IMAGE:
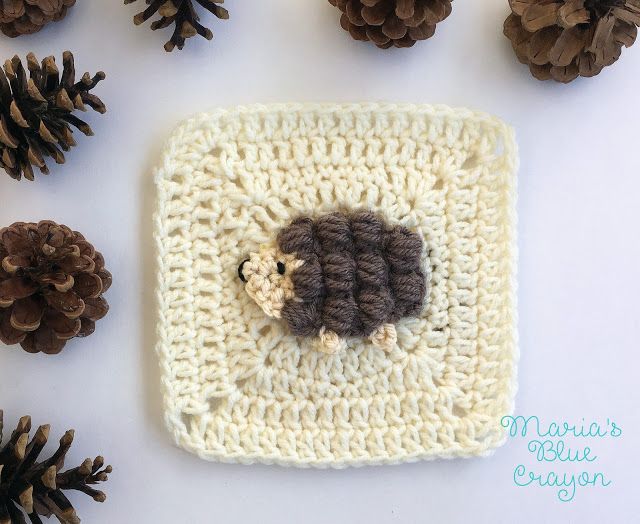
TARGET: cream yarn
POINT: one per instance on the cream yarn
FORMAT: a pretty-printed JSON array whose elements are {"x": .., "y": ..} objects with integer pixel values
[
  {"x": 239, "y": 388},
  {"x": 266, "y": 287}
]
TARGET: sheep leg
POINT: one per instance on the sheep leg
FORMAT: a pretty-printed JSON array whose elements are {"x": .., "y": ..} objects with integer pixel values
[
  {"x": 384, "y": 337},
  {"x": 329, "y": 342}
]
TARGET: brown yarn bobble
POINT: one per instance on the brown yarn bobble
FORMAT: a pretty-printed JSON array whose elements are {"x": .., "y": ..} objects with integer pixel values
[
  {"x": 51, "y": 286},
  {"x": 392, "y": 23},
  {"x": 25, "y": 17},
  {"x": 358, "y": 274}
]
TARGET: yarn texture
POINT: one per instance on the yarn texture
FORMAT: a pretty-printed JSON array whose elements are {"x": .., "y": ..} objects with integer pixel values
[
  {"x": 358, "y": 274},
  {"x": 238, "y": 386}
]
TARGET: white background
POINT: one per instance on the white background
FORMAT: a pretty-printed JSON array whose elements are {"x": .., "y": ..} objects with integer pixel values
[{"x": 578, "y": 272}]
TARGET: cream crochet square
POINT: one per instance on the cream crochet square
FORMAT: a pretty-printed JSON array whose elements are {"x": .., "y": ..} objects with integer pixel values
[{"x": 239, "y": 388}]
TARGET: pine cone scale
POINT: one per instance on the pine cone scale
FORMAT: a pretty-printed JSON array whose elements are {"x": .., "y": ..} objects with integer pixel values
[
  {"x": 626, "y": 34},
  {"x": 376, "y": 35},
  {"x": 394, "y": 28},
  {"x": 16, "y": 288},
  {"x": 11, "y": 263},
  {"x": 8, "y": 334},
  {"x": 405, "y": 9},
  {"x": 540, "y": 45},
  {"x": 378, "y": 12},
  {"x": 418, "y": 17},
  {"x": 567, "y": 47},
  {"x": 27, "y": 314},
  {"x": 88, "y": 285},
  {"x": 11, "y": 10},
  {"x": 95, "y": 308},
  {"x": 43, "y": 340},
  {"x": 573, "y": 13},
  {"x": 67, "y": 303},
  {"x": 422, "y": 32},
  {"x": 87, "y": 327},
  {"x": 539, "y": 16},
  {"x": 437, "y": 12},
  {"x": 630, "y": 15},
  {"x": 64, "y": 328},
  {"x": 15, "y": 241}
]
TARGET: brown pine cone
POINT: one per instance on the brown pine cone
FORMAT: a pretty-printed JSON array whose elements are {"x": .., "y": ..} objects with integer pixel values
[
  {"x": 51, "y": 286},
  {"x": 36, "y": 112},
  {"x": 386, "y": 23},
  {"x": 183, "y": 15},
  {"x": 31, "y": 486},
  {"x": 24, "y": 17},
  {"x": 564, "y": 39}
]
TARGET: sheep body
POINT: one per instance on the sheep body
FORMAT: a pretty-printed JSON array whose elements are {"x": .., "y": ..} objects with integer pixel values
[{"x": 358, "y": 274}]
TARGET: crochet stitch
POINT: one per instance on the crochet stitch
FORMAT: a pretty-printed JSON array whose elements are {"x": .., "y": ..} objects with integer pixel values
[
  {"x": 238, "y": 385},
  {"x": 348, "y": 274},
  {"x": 357, "y": 275}
]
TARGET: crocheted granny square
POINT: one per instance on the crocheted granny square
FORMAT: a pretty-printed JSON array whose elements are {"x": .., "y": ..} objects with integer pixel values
[{"x": 238, "y": 387}]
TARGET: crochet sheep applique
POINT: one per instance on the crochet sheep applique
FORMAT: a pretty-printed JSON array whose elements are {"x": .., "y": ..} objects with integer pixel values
[{"x": 338, "y": 276}]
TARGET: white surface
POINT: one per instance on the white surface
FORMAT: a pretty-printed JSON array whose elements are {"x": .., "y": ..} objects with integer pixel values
[{"x": 579, "y": 250}]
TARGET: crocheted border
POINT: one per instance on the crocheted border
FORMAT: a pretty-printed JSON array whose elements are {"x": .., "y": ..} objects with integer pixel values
[{"x": 177, "y": 420}]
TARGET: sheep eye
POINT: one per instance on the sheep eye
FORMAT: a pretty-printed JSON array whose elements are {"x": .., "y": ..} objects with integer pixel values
[{"x": 281, "y": 268}]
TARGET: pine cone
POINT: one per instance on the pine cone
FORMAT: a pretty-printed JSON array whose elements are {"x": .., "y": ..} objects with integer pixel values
[
  {"x": 564, "y": 39},
  {"x": 387, "y": 23},
  {"x": 183, "y": 15},
  {"x": 24, "y": 17},
  {"x": 51, "y": 286},
  {"x": 36, "y": 113},
  {"x": 36, "y": 488}
]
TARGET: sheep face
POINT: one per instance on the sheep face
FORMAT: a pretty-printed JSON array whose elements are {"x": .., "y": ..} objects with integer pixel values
[{"x": 267, "y": 278}]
